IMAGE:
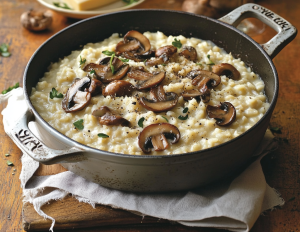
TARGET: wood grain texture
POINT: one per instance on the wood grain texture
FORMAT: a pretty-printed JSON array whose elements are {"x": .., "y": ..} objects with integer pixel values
[{"x": 281, "y": 167}]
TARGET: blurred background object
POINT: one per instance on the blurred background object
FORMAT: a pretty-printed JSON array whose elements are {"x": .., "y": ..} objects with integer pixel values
[{"x": 218, "y": 8}]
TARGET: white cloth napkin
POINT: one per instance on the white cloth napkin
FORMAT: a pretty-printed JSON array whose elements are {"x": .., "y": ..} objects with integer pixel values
[{"x": 232, "y": 204}]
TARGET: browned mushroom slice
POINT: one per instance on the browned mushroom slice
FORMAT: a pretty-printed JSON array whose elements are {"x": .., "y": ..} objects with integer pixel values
[
  {"x": 156, "y": 135},
  {"x": 143, "y": 40},
  {"x": 158, "y": 60},
  {"x": 224, "y": 113},
  {"x": 206, "y": 80},
  {"x": 190, "y": 94},
  {"x": 189, "y": 53},
  {"x": 133, "y": 41},
  {"x": 107, "y": 117},
  {"x": 119, "y": 74},
  {"x": 169, "y": 50},
  {"x": 227, "y": 70},
  {"x": 139, "y": 75},
  {"x": 99, "y": 69},
  {"x": 75, "y": 99},
  {"x": 118, "y": 88},
  {"x": 95, "y": 87},
  {"x": 132, "y": 45},
  {"x": 158, "y": 93},
  {"x": 161, "y": 101},
  {"x": 151, "y": 82}
]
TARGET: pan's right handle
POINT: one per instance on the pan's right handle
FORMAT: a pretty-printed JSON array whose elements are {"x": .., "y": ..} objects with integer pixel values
[{"x": 286, "y": 31}]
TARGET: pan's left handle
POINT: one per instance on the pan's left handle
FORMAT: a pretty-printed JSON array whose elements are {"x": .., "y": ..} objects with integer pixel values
[
  {"x": 35, "y": 148},
  {"x": 286, "y": 31}
]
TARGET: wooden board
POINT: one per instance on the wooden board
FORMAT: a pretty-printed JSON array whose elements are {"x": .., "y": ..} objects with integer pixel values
[{"x": 281, "y": 167}]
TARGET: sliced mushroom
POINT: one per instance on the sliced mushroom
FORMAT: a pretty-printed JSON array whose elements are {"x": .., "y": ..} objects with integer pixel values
[
  {"x": 162, "y": 55},
  {"x": 107, "y": 117},
  {"x": 161, "y": 101},
  {"x": 156, "y": 135},
  {"x": 151, "y": 82},
  {"x": 206, "y": 80},
  {"x": 133, "y": 41},
  {"x": 75, "y": 99},
  {"x": 169, "y": 50},
  {"x": 158, "y": 93},
  {"x": 158, "y": 60},
  {"x": 104, "y": 72},
  {"x": 95, "y": 87},
  {"x": 139, "y": 75},
  {"x": 224, "y": 113},
  {"x": 189, "y": 53},
  {"x": 118, "y": 88},
  {"x": 36, "y": 21},
  {"x": 227, "y": 70},
  {"x": 190, "y": 94}
]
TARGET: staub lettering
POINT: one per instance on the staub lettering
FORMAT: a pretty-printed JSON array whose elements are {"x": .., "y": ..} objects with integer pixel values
[
  {"x": 28, "y": 141},
  {"x": 279, "y": 21}
]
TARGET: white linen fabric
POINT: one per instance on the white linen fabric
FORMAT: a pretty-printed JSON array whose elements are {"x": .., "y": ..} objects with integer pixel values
[{"x": 233, "y": 204}]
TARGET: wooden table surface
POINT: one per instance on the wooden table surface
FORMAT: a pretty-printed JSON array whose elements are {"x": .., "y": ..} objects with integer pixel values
[{"x": 281, "y": 167}]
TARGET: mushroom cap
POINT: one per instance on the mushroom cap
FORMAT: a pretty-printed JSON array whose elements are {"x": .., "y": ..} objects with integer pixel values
[
  {"x": 224, "y": 113},
  {"x": 151, "y": 136},
  {"x": 143, "y": 40},
  {"x": 169, "y": 50},
  {"x": 189, "y": 53},
  {"x": 35, "y": 20},
  {"x": 135, "y": 42},
  {"x": 161, "y": 101},
  {"x": 75, "y": 99},
  {"x": 95, "y": 87},
  {"x": 107, "y": 117},
  {"x": 226, "y": 69},
  {"x": 104, "y": 72},
  {"x": 157, "y": 60},
  {"x": 207, "y": 78},
  {"x": 152, "y": 81},
  {"x": 139, "y": 75},
  {"x": 190, "y": 94},
  {"x": 118, "y": 88}
]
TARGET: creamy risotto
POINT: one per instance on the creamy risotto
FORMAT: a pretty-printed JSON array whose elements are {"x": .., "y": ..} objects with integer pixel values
[{"x": 197, "y": 130}]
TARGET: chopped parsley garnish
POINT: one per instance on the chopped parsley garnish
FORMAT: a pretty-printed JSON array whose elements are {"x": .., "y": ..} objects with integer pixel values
[
  {"x": 110, "y": 63},
  {"x": 4, "y": 50},
  {"x": 130, "y": 1},
  {"x": 276, "y": 130},
  {"x": 10, "y": 88},
  {"x": 176, "y": 43},
  {"x": 82, "y": 61},
  {"x": 141, "y": 121},
  {"x": 183, "y": 117},
  {"x": 199, "y": 64},
  {"x": 79, "y": 124},
  {"x": 56, "y": 94},
  {"x": 210, "y": 62},
  {"x": 164, "y": 118},
  {"x": 9, "y": 163},
  {"x": 163, "y": 64},
  {"x": 108, "y": 53},
  {"x": 292, "y": 198},
  {"x": 92, "y": 72},
  {"x": 124, "y": 60},
  {"x": 61, "y": 5},
  {"x": 186, "y": 109},
  {"x": 101, "y": 135}
]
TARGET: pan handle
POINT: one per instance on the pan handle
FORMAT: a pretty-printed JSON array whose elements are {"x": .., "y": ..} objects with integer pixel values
[
  {"x": 286, "y": 31},
  {"x": 30, "y": 144}
]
